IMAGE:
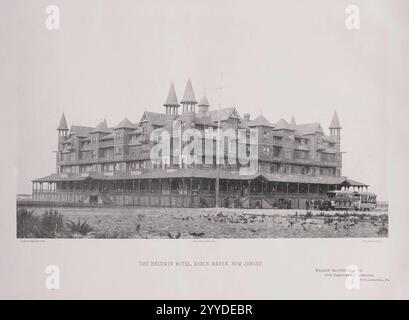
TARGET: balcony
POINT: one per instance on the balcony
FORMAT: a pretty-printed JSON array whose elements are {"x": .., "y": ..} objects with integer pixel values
[
  {"x": 305, "y": 147},
  {"x": 106, "y": 143}
]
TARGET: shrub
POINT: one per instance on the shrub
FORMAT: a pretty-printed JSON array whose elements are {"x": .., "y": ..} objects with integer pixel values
[
  {"x": 25, "y": 223},
  {"x": 82, "y": 228},
  {"x": 51, "y": 223},
  {"x": 47, "y": 225}
]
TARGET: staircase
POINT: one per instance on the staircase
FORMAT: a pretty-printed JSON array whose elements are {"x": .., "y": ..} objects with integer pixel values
[
  {"x": 84, "y": 196},
  {"x": 196, "y": 201},
  {"x": 105, "y": 199}
]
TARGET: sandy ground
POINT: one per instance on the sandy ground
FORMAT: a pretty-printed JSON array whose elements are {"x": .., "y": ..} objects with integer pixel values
[{"x": 172, "y": 223}]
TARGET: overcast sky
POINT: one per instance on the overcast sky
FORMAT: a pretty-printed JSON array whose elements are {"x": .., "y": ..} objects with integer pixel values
[{"x": 277, "y": 58}]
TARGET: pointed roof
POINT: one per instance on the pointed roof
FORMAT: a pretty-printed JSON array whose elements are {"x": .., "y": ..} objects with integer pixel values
[
  {"x": 63, "y": 123},
  {"x": 102, "y": 127},
  {"x": 293, "y": 124},
  {"x": 335, "y": 124},
  {"x": 260, "y": 121},
  {"x": 282, "y": 124},
  {"x": 224, "y": 114},
  {"x": 309, "y": 128},
  {"x": 171, "y": 100},
  {"x": 203, "y": 100},
  {"x": 157, "y": 119},
  {"x": 189, "y": 95},
  {"x": 125, "y": 124},
  {"x": 81, "y": 131}
]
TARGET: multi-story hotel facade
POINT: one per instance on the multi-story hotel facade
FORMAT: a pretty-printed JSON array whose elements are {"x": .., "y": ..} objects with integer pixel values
[{"x": 113, "y": 165}]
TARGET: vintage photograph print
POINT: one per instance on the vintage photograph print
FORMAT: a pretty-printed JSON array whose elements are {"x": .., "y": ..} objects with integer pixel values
[{"x": 194, "y": 119}]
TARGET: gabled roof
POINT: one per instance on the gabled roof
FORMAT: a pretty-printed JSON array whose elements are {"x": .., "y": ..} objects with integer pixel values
[
  {"x": 309, "y": 128},
  {"x": 260, "y": 121},
  {"x": 81, "y": 131},
  {"x": 282, "y": 124},
  {"x": 63, "y": 123},
  {"x": 189, "y": 95},
  {"x": 353, "y": 183},
  {"x": 157, "y": 119},
  {"x": 101, "y": 128},
  {"x": 203, "y": 100},
  {"x": 171, "y": 100},
  {"x": 224, "y": 114},
  {"x": 125, "y": 124},
  {"x": 335, "y": 124}
]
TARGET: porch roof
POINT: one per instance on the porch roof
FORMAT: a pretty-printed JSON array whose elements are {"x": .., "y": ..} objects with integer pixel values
[{"x": 201, "y": 173}]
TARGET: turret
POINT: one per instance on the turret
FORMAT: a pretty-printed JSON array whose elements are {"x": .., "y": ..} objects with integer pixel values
[
  {"x": 171, "y": 104},
  {"x": 62, "y": 128},
  {"x": 335, "y": 126},
  {"x": 335, "y": 133},
  {"x": 121, "y": 139},
  {"x": 203, "y": 105},
  {"x": 189, "y": 101}
]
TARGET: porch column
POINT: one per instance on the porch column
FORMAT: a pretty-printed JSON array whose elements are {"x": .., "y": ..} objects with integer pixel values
[
  {"x": 308, "y": 188},
  {"x": 199, "y": 186}
]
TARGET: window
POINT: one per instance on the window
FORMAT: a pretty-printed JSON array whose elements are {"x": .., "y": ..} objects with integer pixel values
[{"x": 118, "y": 135}]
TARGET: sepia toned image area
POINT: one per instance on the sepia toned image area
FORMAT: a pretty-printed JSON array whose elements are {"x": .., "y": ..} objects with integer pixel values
[{"x": 203, "y": 121}]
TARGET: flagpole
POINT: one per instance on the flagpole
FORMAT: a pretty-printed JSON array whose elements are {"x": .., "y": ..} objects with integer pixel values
[{"x": 218, "y": 145}]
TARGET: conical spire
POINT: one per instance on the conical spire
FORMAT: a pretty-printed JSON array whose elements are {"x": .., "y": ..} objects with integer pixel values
[
  {"x": 335, "y": 124},
  {"x": 189, "y": 96},
  {"x": 105, "y": 123},
  {"x": 203, "y": 101},
  {"x": 63, "y": 124},
  {"x": 171, "y": 100}
]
